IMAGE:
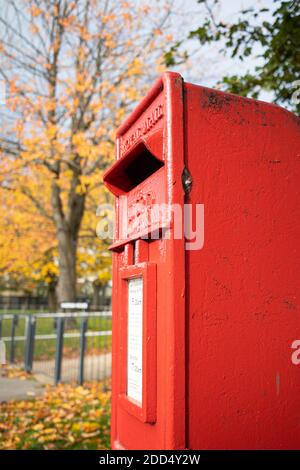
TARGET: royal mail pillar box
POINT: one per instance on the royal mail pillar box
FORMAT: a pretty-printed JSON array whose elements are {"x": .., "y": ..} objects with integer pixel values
[{"x": 204, "y": 321}]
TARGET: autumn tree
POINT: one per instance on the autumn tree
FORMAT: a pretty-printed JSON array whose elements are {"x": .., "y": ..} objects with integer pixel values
[
  {"x": 28, "y": 253},
  {"x": 28, "y": 246},
  {"x": 72, "y": 70}
]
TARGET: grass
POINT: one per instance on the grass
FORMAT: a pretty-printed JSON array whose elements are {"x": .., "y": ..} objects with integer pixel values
[
  {"x": 45, "y": 348},
  {"x": 65, "y": 417}
]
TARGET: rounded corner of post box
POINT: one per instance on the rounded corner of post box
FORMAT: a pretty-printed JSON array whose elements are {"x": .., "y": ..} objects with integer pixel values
[{"x": 166, "y": 78}]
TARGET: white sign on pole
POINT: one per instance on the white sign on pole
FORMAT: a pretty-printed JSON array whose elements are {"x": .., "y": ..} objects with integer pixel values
[
  {"x": 135, "y": 340},
  {"x": 74, "y": 305}
]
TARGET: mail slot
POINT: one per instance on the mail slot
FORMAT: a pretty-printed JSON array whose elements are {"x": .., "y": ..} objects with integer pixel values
[{"x": 204, "y": 319}]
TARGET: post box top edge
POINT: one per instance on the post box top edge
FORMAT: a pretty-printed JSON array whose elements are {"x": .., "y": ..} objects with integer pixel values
[
  {"x": 171, "y": 77},
  {"x": 242, "y": 99}
]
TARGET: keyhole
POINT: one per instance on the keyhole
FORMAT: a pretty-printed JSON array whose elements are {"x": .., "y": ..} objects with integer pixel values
[{"x": 187, "y": 181}]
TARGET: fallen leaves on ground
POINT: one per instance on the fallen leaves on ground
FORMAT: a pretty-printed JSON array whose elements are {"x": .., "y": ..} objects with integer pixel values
[
  {"x": 65, "y": 417},
  {"x": 14, "y": 373}
]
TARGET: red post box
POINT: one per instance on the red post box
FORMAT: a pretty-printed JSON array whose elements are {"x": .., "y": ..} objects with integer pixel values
[{"x": 203, "y": 329}]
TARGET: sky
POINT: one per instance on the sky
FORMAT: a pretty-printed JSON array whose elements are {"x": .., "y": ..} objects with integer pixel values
[{"x": 208, "y": 65}]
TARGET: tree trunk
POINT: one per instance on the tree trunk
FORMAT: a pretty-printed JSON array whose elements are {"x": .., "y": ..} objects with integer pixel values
[
  {"x": 67, "y": 227},
  {"x": 66, "y": 288},
  {"x": 67, "y": 221},
  {"x": 52, "y": 298}
]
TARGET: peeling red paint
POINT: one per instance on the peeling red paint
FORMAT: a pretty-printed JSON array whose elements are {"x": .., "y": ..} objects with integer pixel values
[{"x": 243, "y": 286}]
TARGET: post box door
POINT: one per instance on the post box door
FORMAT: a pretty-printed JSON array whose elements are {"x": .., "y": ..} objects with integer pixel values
[{"x": 148, "y": 403}]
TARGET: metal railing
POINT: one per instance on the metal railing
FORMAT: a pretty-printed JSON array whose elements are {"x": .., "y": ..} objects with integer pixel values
[{"x": 59, "y": 347}]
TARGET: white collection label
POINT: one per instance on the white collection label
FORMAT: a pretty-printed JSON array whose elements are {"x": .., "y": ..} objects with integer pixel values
[{"x": 135, "y": 340}]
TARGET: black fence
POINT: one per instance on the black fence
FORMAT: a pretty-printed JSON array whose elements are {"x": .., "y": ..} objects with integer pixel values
[{"x": 59, "y": 347}]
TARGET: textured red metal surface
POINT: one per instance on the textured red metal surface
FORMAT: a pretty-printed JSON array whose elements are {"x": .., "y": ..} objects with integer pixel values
[
  {"x": 219, "y": 327},
  {"x": 243, "y": 286}
]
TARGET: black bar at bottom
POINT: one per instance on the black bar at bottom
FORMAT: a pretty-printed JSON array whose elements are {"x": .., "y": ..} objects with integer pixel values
[{"x": 133, "y": 459}]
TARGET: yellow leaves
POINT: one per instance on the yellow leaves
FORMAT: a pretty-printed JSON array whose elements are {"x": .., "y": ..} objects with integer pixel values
[
  {"x": 46, "y": 435},
  {"x": 47, "y": 431},
  {"x": 160, "y": 65},
  {"x": 110, "y": 43},
  {"x": 98, "y": 412},
  {"x": 13, "y": 373},
  {"x": 51, "y": 129},
  {"x": 132, "y": 94},
  {"x": 78, "y": 138},
  {"x": 88, "y": 427},
  {"x": 76, "y": 427},
  {"x": 85, "y": 34},
  {"x": 80, "y": 189},
  {"x": 44, "y": 271},
  {"x": 146, "y": 9},
  {"x": 37, "y": 427},
  {"x": 47, "y": 422},
  {"x": 127, "y": 17},
  {"x": 49, "y": 105},
  {"x": 81, "y": 391},
  {"x": 86, "y": 180},
  {"x": 81, "y": 55},
  {"x": 25, "y": 235},
  {"x": 120, "y": 114},
  {"x": 169, "y": 37},
  {"x": 68, "y": 22},
  {"x": 157, "y": 32},
  {"x": 33, "y": 29},
  {"x": 68, "y": 174},
  {"x": 13, "y": 87},
  {"x": 104, "y": 275},
  {"x": 135, "y": 68},
  {"x": 49, "y": 438},
  {"x": 82, "y": 87},
  {"x": 35, "y": 11},
  {"x": 49, "y": 268},
  {"x": 105, "y": 19},
  {"x": 96, "y": 106},
  {"x": 84, "y": 147}
]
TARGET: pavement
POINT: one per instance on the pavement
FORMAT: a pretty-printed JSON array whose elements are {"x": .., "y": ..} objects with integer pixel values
[
  {"x": 17, "y": 389},
  {"x": 96, "y": 367}
]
